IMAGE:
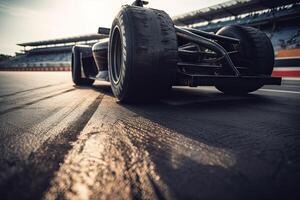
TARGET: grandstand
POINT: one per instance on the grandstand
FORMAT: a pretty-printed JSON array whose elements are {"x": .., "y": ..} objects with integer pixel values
[
  {"x": 279, "y": 19},
  {"x": 48, "y": 55}
]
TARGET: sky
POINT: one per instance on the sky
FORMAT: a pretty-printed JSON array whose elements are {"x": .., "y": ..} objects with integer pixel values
[{"x": 33, "y": 20}]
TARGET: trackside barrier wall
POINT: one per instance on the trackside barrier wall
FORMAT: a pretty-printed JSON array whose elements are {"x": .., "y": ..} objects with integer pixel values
[{"x": 36, "y": 69}]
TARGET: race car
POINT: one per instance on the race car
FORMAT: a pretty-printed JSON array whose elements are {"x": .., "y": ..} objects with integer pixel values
[{"x": 144, "y": 54}]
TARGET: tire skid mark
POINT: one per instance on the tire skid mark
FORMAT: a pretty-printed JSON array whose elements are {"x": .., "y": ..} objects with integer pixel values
[
  {"x": 49, "y": 127},
  {"x": 32, "y": 178},
  {"x": 105, "y": 164},
  {"x": 29, "y": 95},
  {"x": 29, "y": 90},
  {"x": 35, "y": 101},
  {"x": 111, "y": 159},
  {"x": 99, "y": 171}
]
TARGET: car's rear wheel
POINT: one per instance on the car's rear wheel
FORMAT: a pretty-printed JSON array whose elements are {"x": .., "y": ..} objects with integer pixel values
[
  {"x": 76, "y": 68},
  {"x": 255, "y": 53},
  {"x": 142, "y": 54}
]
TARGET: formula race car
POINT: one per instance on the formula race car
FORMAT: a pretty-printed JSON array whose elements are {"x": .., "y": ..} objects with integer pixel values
[{"x": 144, "y": 54}]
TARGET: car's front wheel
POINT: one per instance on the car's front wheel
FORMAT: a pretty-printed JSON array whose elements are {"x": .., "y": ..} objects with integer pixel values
[
  {"x": 77, "y": 77},
  {"x": 142, "y": 54}
]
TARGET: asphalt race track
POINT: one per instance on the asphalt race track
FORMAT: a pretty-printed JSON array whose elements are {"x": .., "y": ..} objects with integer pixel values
[{"x": 58, "y": 141}]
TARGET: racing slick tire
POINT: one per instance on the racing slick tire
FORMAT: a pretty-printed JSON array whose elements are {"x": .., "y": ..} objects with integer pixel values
[
  {"x": 255, "y": 52},
  {"x": 142, "y": 54},
  {"x": 77, "y": 68}
]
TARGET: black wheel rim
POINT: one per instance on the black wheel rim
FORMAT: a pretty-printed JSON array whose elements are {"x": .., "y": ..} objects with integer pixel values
[{"x": 116, "y": 55}]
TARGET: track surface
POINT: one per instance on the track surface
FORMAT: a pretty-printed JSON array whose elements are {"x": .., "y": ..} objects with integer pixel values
[{"x": 62, "y": 142}]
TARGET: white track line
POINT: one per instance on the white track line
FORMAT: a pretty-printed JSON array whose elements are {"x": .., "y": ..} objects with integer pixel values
[
  {"x": 292, "y": 86},
  {"x": 279, "y": 69},
  {"x": 280, "y": 91},
  {"x": 291, "y": 78}
]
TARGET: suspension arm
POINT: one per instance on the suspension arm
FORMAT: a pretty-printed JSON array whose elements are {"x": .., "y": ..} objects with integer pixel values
[
  {"x": 220, "y": 38},
  {"x": 211, "y": 45}
]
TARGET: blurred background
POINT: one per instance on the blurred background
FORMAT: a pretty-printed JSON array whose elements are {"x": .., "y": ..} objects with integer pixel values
[{"x": 38, "y": 35}]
